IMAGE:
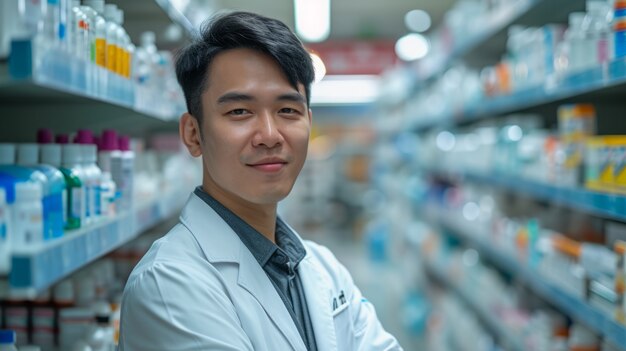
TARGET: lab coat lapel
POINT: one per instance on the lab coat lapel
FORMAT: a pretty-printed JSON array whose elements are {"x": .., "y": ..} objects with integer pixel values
[
  {"x": 221, "y": 244},
  {"x": 256, "y": 282},
  {"x": 318, "y": 300}
]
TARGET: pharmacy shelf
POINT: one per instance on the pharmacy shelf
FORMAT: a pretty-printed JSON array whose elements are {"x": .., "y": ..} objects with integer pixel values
[
  {"x": 37, "y": 268},
  {"x": 492, "y": 33},
  {"x": 503, "y": 336},
  {"x": 42, "y": 92},
  {"x": 606, "y": 80},
  {"x": 605, "y": 205},
  {"x": 571, "y": 305}
]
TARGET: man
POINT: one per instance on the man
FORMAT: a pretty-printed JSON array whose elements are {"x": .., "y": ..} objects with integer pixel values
[{"x": 232, "y": 275}]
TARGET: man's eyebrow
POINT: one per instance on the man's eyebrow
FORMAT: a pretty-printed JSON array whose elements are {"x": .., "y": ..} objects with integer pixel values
[
  {"x": 295, "y": 97},
  {"x": 234, "y": 97}
]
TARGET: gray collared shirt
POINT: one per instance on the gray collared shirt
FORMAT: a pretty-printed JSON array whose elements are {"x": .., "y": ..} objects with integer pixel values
[{"x": 279, "y": 261}]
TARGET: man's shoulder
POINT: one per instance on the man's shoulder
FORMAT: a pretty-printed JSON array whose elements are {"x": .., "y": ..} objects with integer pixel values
[{"x": 176, "y": 254}]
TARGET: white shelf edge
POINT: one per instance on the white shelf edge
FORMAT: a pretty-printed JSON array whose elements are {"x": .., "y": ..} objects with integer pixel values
[{"x": 81, "y": 247}]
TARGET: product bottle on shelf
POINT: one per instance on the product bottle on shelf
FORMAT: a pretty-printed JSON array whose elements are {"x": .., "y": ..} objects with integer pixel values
[
  {"x": 94, "y": 10},
  {"x": 5, "y": 229},
  {"x": 618, "y": 42},
  {"x": 113, "y": 45},
  {"x": 107, "y": 195},
  {"x": 73, "y": 172},
  {"x": 25, "y": 55},
  {"x": 53, "y": 188},
  {"x": 62, "y": 139},
  {"x": 7, "y": 340},
  {"x": 100, "y": 337},
  {"x": 45, "y": 136},
  {"x": 575, "y": 42},
  {"x": 78, "y": 42},
  {"x": 144, "y": 74},
  {"x": 109, "y": 154},
  {"x": 28, "y": 229},
  {"x": 51, "y": 155},
  {"x": 53, "y": 65},
  {"x": 93, "y": 176},
  {"x": 596, "y": 28},
  {"x": 123, "y": 171},
  {"x": 22, "y": 181},
  {"x": 88, "y": 23}
]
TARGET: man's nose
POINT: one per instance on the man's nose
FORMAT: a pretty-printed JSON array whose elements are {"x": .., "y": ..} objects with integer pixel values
[{"x": 268, "y": 133}]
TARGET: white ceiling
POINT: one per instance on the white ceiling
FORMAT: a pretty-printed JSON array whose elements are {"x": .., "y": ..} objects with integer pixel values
[{"x": 350, "y": 19}]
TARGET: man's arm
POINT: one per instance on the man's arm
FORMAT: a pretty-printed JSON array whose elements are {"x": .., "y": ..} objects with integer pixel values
[{"x": 173, "y": 307}]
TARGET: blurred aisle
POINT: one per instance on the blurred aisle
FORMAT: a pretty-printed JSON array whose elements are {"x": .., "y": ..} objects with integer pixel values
[{"x": 381, "y": 283}]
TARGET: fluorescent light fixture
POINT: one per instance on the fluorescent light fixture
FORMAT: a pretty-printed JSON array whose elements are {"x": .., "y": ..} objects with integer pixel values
[
  {"x": 312, "y": 19},
  {"x": 346, "y": 90},
  {"x": 417, "y": 20},
  {"x": 412, "y": 47}
]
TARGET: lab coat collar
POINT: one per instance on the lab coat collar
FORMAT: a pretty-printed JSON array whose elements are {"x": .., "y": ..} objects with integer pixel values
[{"x": 221, "y": 244}]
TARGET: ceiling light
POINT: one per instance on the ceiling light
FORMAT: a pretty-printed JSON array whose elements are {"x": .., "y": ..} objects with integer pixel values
[
  {"x": 417, "y": 20},
  {"x": 342, "y": 90},
  {"x": 412, "y": 47},
  {"x": 312, "y": 19}
]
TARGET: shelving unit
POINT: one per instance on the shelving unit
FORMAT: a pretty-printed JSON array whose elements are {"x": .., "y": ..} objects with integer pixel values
[
  {"x": 573, "y": 306},
  {"x": 492, "y": 32},
  {"x": 603, "y": 86},
  {"x": 502, "y": 335},
  {"x": 37, "y": 268},
  {"x": 601, "y": 204},
  {"x": 608, "y": 80}
]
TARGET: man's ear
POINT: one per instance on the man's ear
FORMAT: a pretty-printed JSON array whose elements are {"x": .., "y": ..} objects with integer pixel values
[{"x": 189, "y": 131}]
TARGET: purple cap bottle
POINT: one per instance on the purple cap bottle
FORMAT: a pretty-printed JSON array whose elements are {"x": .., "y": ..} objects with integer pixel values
[
  {"x": 45, "y": 136},
  {"x": 124, "y": 143},
  {"x": 108, "y": 141},
  {"x": 62, "y": 139},
  {"x": 84, "y": 136}
]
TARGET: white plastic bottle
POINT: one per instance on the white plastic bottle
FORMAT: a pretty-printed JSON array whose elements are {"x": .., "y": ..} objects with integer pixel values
[
  {"x": 5, "y": 229},
  {"x": 575, "y": 39},
  {"x": 7, "y": 340},
  {"x": 596, "y": 27},
  {"x": 122, "y": 36},
  {"x": 94, "y": 10},
  {"x": 101, "y": 335},
  {"x": 107, "y": 195},
  {"x": 109, "y": 154},
  {"x": 113, "y": 45},
  {"x": 71, "y": 163},
  {"x": 123, "y": 173},
  {"x": 28, "y": 215},
  {"x": 93, "y": 177},
  {"x": 53, "y": 186}
]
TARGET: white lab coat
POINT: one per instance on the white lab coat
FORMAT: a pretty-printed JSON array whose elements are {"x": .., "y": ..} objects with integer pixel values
[{"x": 200, "y": 288}]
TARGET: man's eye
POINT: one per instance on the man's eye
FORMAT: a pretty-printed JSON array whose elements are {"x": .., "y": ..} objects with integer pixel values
[
  {"x": 239, "y": 112},
  {"x": 288, "y": 110}
]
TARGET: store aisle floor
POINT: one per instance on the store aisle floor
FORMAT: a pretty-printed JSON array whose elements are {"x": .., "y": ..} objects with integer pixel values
[{"x": 381, "y": 283}]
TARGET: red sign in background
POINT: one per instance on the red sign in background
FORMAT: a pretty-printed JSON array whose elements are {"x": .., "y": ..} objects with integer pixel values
[{"x": 356, "y": 57}]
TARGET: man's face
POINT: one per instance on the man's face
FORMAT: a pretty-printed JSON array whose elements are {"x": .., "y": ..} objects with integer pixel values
[{"x": 255, "y": 128}]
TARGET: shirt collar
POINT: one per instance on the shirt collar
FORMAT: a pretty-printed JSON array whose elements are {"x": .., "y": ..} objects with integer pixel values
[{"x": 261, "y": 247}]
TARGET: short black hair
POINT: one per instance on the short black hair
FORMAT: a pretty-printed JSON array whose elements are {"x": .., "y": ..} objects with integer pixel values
[{"x": 240, "y": 30}]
